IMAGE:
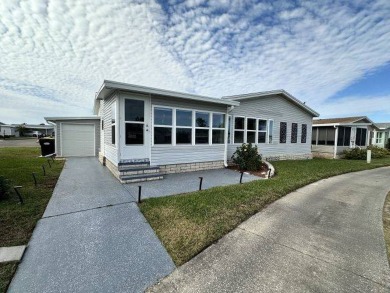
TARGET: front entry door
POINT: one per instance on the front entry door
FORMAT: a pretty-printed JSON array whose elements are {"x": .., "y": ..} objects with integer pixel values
[{"x": 136, "y": 128}]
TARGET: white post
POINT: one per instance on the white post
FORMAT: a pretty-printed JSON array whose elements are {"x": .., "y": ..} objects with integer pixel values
[
  {"x": 368, "y": 156},
  {"x": 336, "y": 136}
]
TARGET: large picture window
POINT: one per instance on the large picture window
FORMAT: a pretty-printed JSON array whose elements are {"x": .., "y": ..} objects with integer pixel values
[
  {"x": 239, "y": 129},
  {"x": 134, "y": 121},
  {"x": 202, "y": 125},
  {"x": 183, "y": 127},
  {"x": 218, "y": 128},
  {"x": 162, "y": 125}
]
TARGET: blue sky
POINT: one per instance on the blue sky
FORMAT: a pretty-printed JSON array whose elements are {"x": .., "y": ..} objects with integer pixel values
[{"x": 55, "y": 54}]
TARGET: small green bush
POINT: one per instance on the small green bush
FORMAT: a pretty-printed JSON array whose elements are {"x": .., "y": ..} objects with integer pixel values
[
  {"x": 377, "y": 152},
  {"x": 247, "y": 157},
  {"x": 5, "y": 187},
  {"x": 361, "y": 154}
]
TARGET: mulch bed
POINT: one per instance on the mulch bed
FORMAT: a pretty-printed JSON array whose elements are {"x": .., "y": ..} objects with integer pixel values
[{"x": 260, "y": 173}]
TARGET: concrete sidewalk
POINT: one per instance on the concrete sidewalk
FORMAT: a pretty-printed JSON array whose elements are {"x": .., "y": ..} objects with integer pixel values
[
  {"x": 325, "y": 237},
  {"x": 92, "y": 238},
  {"x": 188, "y": 182}
]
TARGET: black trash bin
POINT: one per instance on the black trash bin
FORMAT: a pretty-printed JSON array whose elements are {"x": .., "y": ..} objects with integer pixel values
[{"x": 47, "y": 146}]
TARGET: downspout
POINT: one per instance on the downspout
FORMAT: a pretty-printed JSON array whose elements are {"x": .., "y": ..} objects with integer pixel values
[
  {"x": 226, "y": 137},
  {"x": 336, "y": 135},
  {"x": 228, "y": 109}
]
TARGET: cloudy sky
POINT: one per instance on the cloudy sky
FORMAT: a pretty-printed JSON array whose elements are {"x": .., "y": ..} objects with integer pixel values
[{"x": 55, "y": 54}]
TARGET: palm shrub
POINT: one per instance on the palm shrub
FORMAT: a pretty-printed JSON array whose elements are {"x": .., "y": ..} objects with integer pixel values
[
  {"x": 5, "y": 187},
  {"x": 247, "y": 157}
]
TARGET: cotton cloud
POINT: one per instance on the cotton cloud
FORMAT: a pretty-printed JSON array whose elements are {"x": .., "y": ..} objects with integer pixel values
[{"x": 57, "y": 53}]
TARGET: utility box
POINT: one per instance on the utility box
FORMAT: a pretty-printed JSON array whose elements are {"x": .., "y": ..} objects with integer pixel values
[{"x": 47, "y": 146}]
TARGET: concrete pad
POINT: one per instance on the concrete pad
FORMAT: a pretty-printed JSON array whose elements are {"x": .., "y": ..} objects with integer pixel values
[
  {"x": 12, "y": 253},
  {"x": 85, "y": 184},
  {"x": 325, "y": 237},
  {"x": 188, "y": 182},
  {"x": 109, "y": 249}
]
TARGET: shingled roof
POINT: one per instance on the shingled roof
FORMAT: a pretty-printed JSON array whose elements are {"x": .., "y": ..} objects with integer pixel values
[
  {"x": 384, "y": 125},
  {"x": 342, "y": 120}
]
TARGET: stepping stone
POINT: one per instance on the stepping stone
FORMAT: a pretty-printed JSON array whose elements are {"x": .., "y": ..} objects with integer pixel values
[{"x": 13, "y": 253}]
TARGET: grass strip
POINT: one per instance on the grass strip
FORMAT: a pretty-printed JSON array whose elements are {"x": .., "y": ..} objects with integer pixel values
[
  {"x": 17, "y": 221},
  {"x": 188, "y": 223},
  {"x": 7, "y": 270}
]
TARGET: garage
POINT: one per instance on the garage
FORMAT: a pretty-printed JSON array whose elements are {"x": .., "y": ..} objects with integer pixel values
[
  {"x": 76, "y": 136},
  {"x": 78, "y": 140}
]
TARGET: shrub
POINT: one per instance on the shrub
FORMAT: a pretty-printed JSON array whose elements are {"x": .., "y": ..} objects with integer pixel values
[
  {"x": 377, "y": 152},
  {"x": 355, "y": 154},
  {"x": 361, "y": 154},
  {"x": 5, "y": 187},
  {"x": 247, "y": 157}
]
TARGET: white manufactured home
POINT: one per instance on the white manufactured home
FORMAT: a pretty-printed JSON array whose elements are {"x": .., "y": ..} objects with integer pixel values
[{"x": 141, "y": 133}]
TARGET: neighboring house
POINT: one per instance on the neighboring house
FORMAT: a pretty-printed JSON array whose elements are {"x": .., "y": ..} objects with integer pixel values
[
  {"x": 381, "y": 135},
  {"x": 141, "y": 133},
  {"x": 32, "y": 130},
  {"x": 330, "y": 137},
  {"x": 8, "y": 130}
]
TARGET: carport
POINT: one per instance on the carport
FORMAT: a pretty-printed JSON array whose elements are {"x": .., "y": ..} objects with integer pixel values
[{"x": 76, "y": 136}]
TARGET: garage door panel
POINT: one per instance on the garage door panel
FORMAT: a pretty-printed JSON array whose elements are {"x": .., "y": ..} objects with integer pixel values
[{"x": 78, "y": 140}]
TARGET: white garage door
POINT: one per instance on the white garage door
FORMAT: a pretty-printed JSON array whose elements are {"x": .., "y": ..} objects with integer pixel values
[{"x": 78, "y": 140}]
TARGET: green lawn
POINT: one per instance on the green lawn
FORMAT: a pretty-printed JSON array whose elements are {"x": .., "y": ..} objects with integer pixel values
[
  {"x": 17, "y": 221},
  {"x": 187, "y": 224}
]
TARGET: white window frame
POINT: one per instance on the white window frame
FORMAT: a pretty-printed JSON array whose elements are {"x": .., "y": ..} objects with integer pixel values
[
  {"x": 198, "y": 127},
  {"x": 188, "y": 127},
  {"x": 379, "y": 137},
  {"x": 173, "y": 136},
  {"x": 254, "y": 130},
  {"x": 230, "y": 129},
  {"x": 262, "y": 131},
  {"x": 193, "y": 127},
  {"x": 270, "y": 132},
  {"x": 242, "y": 130},
  {"x": 218, "y": 128}
]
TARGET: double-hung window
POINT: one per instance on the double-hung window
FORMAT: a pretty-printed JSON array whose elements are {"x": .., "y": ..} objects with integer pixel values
[
  {"x": 162, "y": 125},
  {"x": 218, "y": 129},
  {"x": 202, "y": 127},
  {"x": 262, "y": 131},
  {"x": 239, "y": 129},
  {"x": 251, "y": 130},
  {"x": 183, "y": 126}
]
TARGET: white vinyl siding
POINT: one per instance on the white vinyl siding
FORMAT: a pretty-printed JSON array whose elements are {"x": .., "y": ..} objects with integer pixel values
[{"x": 277, "y": 109}]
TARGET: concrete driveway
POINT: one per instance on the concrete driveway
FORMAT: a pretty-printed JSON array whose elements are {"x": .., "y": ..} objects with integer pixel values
[
  {"x": 92, "y": 238},
  {"x": 325, "y": 237}
]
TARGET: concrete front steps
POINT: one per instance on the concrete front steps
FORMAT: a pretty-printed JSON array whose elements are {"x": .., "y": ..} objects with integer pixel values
[{"x": 131, "y": 172}]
